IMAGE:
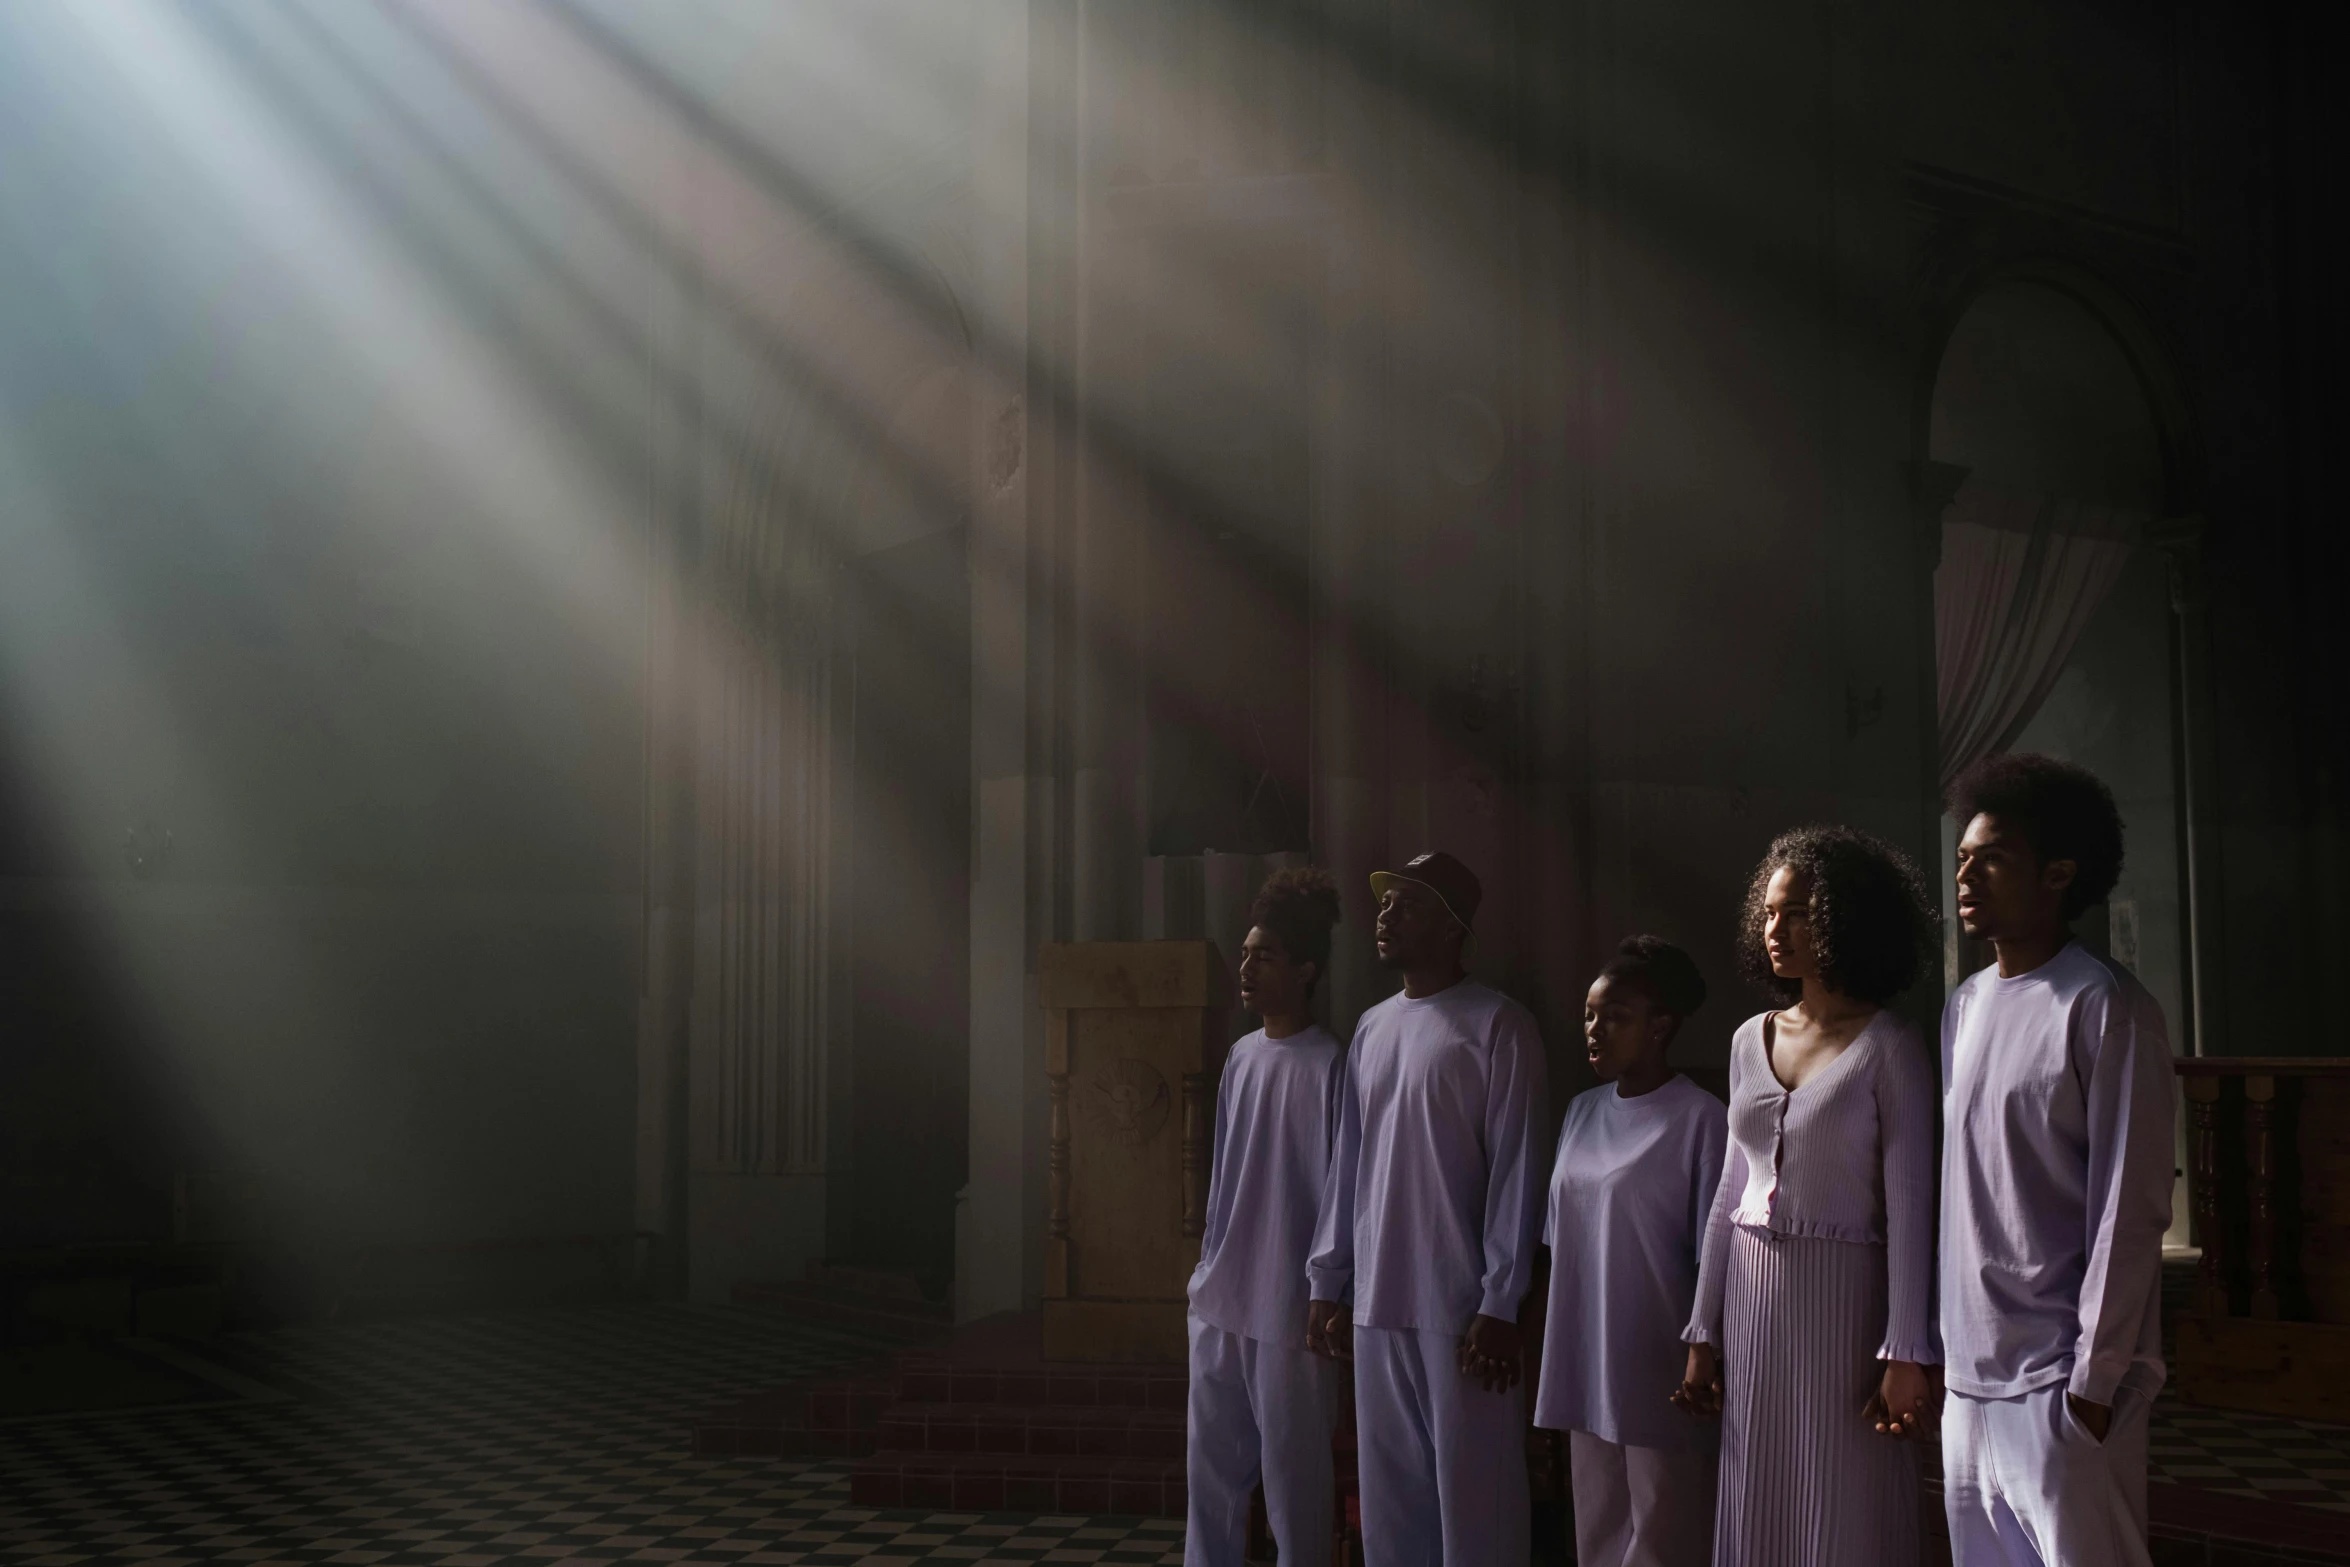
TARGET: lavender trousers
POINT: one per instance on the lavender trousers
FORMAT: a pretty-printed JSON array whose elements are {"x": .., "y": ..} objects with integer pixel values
[
  {"x": 1442, "y": 1461},
  {"x": 1258, "y": 1410},
  {"x": 2025, "y": 1485},
  {"x": 1641, "y": 1506}
]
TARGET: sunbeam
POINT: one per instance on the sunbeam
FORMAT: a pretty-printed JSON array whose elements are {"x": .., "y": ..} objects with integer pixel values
[{"x": 796, "y": 661}]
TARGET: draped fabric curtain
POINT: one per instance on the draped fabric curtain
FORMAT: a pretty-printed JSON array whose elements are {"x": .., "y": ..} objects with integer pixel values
[
  {"x": 763, "y": 993},
  {"x": 2021, "y": 576}
]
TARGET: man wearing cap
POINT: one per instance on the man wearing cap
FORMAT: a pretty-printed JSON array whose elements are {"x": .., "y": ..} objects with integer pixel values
[{"x": 1426, "y": 1242}]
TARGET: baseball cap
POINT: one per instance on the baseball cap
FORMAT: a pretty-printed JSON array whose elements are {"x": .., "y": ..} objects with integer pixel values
[{"x": 1454, "y": 884}]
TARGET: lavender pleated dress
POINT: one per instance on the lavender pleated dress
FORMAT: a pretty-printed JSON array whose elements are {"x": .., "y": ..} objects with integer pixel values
[{"x": 1818, "y": 1266}]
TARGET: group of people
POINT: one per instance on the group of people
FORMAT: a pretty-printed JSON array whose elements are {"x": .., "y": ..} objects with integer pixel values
[{"x": 1742, "y": 1318}]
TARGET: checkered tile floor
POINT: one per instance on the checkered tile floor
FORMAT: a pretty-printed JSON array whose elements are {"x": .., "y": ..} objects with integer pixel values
[
  {"x": 520, "y": 1437},
  {"x": 558, "y": 1436},
  {"x": 2296, "y": 1461}
]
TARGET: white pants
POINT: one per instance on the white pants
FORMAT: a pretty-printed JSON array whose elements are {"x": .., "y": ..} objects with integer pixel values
[
  {"x": 1642, "y": 1506},
  {"x": 1442, "y": 1461},
  {"x": 1258, "y": 1409},
  {"x": 2026, "y": 1485}
]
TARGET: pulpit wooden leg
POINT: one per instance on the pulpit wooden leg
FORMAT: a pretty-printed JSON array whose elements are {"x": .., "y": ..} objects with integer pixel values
[
  {"x": 1196, "y": 1152},
  {"x": 1056, "y": 1235},
  {"x": 2211, "y": 1279}
]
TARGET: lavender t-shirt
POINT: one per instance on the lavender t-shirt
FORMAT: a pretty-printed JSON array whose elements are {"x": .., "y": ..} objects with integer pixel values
[
  {"x": 1629, "y": 1194},
  {"x": 1276, "y": 1125}
]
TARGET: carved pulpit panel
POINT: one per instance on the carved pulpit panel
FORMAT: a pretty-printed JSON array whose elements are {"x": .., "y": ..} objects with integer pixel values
[{"x": 1134, "y": 1040}]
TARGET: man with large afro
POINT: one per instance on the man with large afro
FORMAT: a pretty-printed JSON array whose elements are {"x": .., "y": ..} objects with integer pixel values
[{"x": 2056, "y": 1186}]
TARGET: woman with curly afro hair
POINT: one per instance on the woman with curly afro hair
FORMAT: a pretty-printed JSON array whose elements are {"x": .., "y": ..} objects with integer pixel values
[{"x": 1813, "y": 1326}]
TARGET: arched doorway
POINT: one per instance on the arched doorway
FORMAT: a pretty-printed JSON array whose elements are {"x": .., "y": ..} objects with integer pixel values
[{"x": 2055, "y": 625}]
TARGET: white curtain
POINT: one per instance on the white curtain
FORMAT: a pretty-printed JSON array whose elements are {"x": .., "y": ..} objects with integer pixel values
[
  {"x": 763, "y": 993},
  {"x": 2021, "y": 576}
]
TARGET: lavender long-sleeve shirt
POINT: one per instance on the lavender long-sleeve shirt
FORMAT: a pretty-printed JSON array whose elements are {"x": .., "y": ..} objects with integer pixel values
[
  {"x": 1849, "y": 1156},
  {"x": 2056, "y": 1180},
  {"x": 1276, "y": 1126},
  {"x": 1436, "y": 1193}
]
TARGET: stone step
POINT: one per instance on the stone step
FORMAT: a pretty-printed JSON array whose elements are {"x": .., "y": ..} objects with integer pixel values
[
  {"x": 909, "y": 1321},
  {"x": 1005, "y": 1482},
  {"x": 1030, "y": 1381},
  {"x": 837, "y": 1415},
  {"x": 1043, "y": 1431}
]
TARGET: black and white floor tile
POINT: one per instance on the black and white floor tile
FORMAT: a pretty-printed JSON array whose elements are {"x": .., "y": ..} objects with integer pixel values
[
  {"x": 521, "y": 1437},
  {"x": 548, "y": 1437},
  {"x": 2297, "y": 1461}
]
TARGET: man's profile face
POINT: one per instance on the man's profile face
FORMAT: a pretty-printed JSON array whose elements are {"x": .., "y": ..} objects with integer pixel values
[
  {"x": 1413, "y": 926},
  {"x": 1271, "y": 981},
  {"x": 2004, "y": 889}
]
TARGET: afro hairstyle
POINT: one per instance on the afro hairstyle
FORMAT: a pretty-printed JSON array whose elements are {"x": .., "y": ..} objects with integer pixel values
[
  {"x": 2062, "y": 809},
  {"x": 1299, "y": 904}
]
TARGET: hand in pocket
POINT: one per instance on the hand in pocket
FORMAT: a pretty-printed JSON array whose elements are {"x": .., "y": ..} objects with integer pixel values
[{"x": 2095, "y": 1419}]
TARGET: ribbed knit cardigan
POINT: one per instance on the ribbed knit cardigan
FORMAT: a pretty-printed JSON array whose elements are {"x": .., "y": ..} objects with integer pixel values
[{"x": 1849, "y": 1156}]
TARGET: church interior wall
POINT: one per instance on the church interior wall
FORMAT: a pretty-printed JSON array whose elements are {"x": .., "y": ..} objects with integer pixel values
[
  {"x": 2313, "y": 135},
  {"x": 1536, "y": 390},
  {"x": 336, "y": 802},
  {"x": 323, "y": 804},
  {"x": 1749, "y": 335}
]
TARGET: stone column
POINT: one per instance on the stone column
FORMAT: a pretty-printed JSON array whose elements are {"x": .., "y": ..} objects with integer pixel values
[
  {"x": 1350, "y": 531},
  {"x": 1090, "y": 355},
  {"x": 1000, "y": 1214},
  {"x": 2181, "y": 538},
  {"x": 672, "y": 546}
]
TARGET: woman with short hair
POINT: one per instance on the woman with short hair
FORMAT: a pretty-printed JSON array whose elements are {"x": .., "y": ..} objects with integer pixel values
[
  {"x": 1639, "y": 1158},
  {"x": 1813, "y": 1328}
]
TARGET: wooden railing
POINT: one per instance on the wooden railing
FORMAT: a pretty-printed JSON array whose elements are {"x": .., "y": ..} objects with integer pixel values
[
  {"x": 2250, "y": 1184},
  {"x": 2268, "y": 1179}
]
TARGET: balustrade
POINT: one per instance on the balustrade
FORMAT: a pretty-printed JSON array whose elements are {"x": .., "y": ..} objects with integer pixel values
[{"x": 2269, "y": 1187}]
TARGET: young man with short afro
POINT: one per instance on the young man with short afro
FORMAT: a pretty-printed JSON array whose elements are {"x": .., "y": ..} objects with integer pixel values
[
  {"x": 1261, "y": 1406},
  {"x": 2056, "y": 1187}
]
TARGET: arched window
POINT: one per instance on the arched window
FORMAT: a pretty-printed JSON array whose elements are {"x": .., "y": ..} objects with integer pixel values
[{"x": 2054, "y": 624}]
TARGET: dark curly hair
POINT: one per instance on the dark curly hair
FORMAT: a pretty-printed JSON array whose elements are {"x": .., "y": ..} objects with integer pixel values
[
  {"x": 1872, "y": 922},
  {"x": 1664, "y": 971},
  {"x": 2062, "y": 809},
  {"x": 1299, "y": 904}
]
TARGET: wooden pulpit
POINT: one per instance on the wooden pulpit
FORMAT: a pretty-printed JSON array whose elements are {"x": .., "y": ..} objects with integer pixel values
[{"x": 1134, "y": 1039}]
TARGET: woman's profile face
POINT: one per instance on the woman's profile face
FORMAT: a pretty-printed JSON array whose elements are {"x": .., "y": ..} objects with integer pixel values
[{"x": 1786, "y": 928}]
